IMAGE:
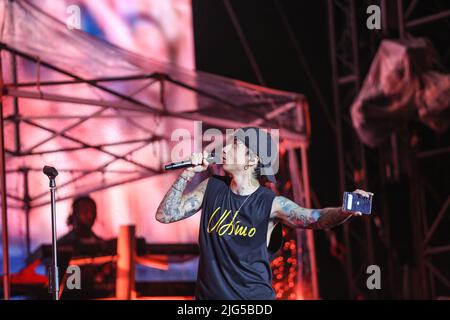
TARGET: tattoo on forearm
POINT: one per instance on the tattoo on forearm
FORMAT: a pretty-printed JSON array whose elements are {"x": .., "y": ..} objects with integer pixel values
[
  {"x": 293, "y": 214},
  {"x": 170, "y": 208},
  {"x": 330, "y": 217},
  {"x": 175, "y": 206},
  {"x": 297, "y": 216}
]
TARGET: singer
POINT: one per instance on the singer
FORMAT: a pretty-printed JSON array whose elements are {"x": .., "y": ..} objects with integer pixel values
[{"x": 238, "y": 217}]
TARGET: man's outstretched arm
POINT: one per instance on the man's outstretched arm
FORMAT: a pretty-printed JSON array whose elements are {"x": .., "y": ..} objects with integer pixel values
[{"x": 294, "y": 215}]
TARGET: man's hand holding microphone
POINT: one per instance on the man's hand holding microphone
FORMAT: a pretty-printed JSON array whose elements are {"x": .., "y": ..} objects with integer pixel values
[{"x": 198, "y": 162}]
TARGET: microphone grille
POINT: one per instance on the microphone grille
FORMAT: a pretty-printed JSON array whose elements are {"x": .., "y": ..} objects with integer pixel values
[{"x": 50, "y": 171}]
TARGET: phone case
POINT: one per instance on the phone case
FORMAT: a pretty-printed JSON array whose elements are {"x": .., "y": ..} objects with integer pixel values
[{"x": 355, "y": 202}]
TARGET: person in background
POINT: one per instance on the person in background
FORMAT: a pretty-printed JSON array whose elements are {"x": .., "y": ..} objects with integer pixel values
[{"x": 82, "y": 219}]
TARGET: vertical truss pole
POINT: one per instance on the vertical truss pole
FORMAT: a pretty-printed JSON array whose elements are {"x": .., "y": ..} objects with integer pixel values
[
  {"x": 309, "y": 233},
  {"x": 338, "y": 126},
  {"x": 16, "y": 115},
  {"x": 387, "y": 226},
  {"x": 17, "y": 147},
  {"x": 401, "y": 20},
  {"x": 5, "y": 244},
  {"x": 362, "y": 150},
  {"x": 5, "y": 238},
  {"x": 16, "y": 118},
  {"x": 301, "y": 194},
  {"x": 419, "y": 288},
  {"x": 346, "y": 72}
]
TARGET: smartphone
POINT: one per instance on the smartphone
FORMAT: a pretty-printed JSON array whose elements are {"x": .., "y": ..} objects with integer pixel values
[{"x": 357, "y": 202}]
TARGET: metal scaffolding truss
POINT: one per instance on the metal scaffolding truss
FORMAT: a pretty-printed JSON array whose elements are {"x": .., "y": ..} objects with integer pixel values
[
  {"x": 119, "y": 87},
  {"x": 430, "y": 192},
  {"x": 346, "y": 29},
  {"x": 343, "y": 32}
]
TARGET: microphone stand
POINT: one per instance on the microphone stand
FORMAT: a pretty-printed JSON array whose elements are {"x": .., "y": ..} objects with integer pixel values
[{"x": 53, "y": 276}]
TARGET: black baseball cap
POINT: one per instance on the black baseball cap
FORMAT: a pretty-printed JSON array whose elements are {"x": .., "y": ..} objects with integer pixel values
[{"x": 261, "y": 143}]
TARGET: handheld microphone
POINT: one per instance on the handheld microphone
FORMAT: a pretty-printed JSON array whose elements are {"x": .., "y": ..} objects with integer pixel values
[
  {"x": 50, "y": 172},
  {"x": 186, "y": 163}
]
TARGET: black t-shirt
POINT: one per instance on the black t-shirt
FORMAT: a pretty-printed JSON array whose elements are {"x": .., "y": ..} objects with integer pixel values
[
  {"x": 73, "y": 238},
  {"x": 234, "y": 259}
]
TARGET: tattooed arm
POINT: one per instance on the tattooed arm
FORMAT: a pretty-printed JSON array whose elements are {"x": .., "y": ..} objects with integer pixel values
[
  {"x": 175, "y": 206},
  {"x": 294, "y": 215}
]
